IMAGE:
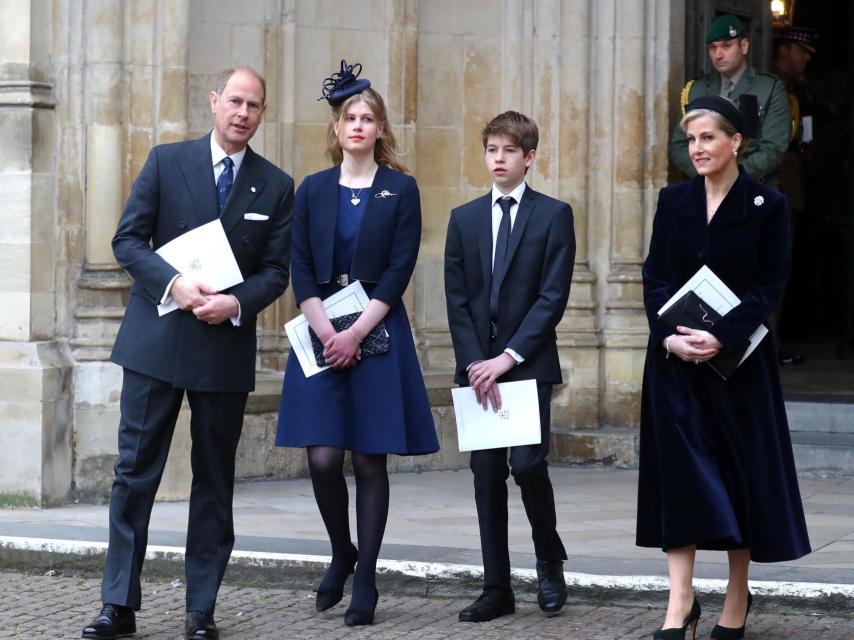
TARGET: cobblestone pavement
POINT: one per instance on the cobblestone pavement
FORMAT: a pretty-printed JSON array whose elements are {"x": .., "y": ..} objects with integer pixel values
[{"x": 58, "y": 607}]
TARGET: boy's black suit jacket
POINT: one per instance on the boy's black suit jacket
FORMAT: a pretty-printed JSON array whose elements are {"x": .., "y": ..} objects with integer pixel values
[{"x": 534, "y": 288}]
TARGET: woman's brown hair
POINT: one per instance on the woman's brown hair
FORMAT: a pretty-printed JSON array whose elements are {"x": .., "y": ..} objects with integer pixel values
[{"x": 385, "y": 150}]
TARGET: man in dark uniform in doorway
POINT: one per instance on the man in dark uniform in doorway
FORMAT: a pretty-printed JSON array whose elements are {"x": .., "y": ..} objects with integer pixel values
[{"x": 793, "y": 49}]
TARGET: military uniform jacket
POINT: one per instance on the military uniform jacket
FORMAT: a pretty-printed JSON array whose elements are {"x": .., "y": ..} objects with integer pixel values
[{"x": 762, "y": 157}]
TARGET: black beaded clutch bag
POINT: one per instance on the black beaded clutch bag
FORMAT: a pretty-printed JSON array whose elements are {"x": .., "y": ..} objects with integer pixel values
[
  {"x": 693, "y": 312},
  {"x": 375, "y": 343}
]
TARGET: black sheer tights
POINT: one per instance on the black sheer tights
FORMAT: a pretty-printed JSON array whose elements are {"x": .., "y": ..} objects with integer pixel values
[{"x": 330, "y": 491}]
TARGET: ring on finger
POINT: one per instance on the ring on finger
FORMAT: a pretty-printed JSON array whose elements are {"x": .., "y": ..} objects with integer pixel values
[{"x": 696, "y": 361}]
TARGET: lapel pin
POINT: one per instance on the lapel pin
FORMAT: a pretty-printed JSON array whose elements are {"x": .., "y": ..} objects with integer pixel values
[
  {"x": 252, "y": 189},
  {"x": 758, "y": 201},
  {"x": 385, "y": 193}
]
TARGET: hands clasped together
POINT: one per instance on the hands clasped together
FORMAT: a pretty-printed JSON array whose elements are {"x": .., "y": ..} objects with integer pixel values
[
  {"x": 207, "y": 304},
  {"x": 482, "y": 378},
  {"x": 692, "y": 345},
  {"x": 340, "y": 349}
]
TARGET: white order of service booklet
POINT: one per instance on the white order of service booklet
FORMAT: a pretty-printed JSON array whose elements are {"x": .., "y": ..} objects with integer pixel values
[
  {"x": 516, "y": 423},
  {"x": 204, "y": 255}
]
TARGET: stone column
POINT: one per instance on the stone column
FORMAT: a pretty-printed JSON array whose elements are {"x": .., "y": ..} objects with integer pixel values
[
  {"x": 35, "y": 460},
  {"x": 135, "y": 96},
  {"x": 630, "y": 115}
]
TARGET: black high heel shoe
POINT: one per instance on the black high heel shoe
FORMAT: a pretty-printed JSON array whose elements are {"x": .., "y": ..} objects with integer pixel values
[
  {"x": 728, "y": 633},
  {"x": 356, "y": 617},
  {"x": 329, "y": 596},
  {"x": 678, "y": 633}
]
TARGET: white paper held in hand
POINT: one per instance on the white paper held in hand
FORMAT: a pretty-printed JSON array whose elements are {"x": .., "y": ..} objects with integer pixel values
[
  {"x": 516, "y": 423},
  {"x": 204, "y": 255},
  {"x": 706, "y": 284},
  {"x": 351, "y": 299}
]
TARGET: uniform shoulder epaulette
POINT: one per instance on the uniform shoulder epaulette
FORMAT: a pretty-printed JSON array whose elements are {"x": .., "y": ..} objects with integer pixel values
[
  {"x": 686, "y": 91},
  {"x": 767, "y": 74}
]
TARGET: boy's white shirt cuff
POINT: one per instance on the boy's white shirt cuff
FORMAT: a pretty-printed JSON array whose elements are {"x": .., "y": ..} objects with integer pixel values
[
  {"x": 519, "y": 359},
  {"x": 236, "y": 319}
]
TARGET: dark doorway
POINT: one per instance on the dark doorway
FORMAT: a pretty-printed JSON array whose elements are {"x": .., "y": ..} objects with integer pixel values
[{"x": 817, "y": 319}]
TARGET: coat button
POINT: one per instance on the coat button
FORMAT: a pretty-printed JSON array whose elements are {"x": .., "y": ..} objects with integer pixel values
[
  {"x": 182, "y": 224},
  {"x": 701, "y": 255},
  {"x": 246, "y": 240}
]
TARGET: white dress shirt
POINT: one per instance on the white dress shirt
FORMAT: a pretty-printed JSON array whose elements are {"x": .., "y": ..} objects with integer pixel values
[
  {"x": 516, "y": 194},
  {"x": 217, "y": 156}
]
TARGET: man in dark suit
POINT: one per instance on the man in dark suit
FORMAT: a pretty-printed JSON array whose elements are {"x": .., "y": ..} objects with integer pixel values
[
  {"x": 508, "y": 268},
  {"x": 206, "y": 349}
]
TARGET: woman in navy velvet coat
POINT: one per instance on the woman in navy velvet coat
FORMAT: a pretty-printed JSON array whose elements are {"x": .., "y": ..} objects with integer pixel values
[
  {"x": 716, "y": 464},
  {"x": 358, "y": 220}
]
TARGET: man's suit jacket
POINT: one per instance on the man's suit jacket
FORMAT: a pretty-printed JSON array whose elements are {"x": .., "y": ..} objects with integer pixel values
[
  {"x": 386, "y": 245},
  {"x": 534, "y": 288},
  {"x": 174, "y": 193}
]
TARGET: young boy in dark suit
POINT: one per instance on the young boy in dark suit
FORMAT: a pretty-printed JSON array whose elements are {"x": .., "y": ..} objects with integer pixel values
[{"x": 508, "y": 268}]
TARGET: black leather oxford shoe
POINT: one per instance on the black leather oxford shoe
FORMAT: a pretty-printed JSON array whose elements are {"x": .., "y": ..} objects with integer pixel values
[
  {"x": 200, "y": 626},
  {"x": 113, "y": 622},
  {"x": 491, "y": 604},
  {"x": 552, "y": 592}
]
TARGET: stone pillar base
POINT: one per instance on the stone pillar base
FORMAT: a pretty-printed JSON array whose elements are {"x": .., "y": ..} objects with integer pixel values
[{"x": 35, "y": 424}]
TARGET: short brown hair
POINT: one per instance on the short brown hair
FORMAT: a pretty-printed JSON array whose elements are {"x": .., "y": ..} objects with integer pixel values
[
  {"x": 513, "y": 125},
  {"x": 224, "y": 76}
]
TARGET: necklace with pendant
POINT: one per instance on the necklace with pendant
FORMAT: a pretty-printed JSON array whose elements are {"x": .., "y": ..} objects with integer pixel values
[{"x": 355, "y": 196}]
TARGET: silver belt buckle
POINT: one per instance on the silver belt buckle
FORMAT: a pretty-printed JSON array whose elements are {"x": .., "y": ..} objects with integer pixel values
[{"x": 343, "y": 280}]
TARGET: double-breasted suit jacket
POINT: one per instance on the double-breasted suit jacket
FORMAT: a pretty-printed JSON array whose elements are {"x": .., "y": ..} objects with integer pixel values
[
  {"x": 174, "y": 193},
  {"x": 716, "y": 464},
  {"x": 534, "y": 287}
]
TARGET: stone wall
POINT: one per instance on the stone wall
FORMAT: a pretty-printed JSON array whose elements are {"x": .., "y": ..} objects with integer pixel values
[{"x": 87, "y": 86}]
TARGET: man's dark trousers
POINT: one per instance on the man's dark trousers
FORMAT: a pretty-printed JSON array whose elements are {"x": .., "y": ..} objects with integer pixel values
[
  {"x": 149, "y": 410},
  {"x": 530, "y": 471}
]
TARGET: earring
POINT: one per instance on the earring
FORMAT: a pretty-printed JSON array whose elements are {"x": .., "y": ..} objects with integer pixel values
[{"x": 735, "y": 153}]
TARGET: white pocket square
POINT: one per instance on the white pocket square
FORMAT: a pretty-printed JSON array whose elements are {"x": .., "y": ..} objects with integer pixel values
[{"x": 255, "y": 216}]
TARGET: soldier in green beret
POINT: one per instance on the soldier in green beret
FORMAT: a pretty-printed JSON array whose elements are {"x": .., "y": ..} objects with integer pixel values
[{"x": 732, "y": 78}]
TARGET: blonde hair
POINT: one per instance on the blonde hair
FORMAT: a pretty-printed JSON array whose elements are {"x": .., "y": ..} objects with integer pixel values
[
  {"x": 385, "y": 149},
  {"x": 726, "y": 127}
]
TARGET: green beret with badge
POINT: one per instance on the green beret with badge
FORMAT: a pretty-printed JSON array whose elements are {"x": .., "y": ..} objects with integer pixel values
[{"x": 725, "y": 27}]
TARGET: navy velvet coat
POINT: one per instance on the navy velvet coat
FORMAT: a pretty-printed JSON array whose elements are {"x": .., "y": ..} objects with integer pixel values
[{"x": 716, "y": 464}]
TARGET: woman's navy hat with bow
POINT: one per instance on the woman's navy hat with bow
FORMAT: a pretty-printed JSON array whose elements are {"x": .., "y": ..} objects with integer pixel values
[{"x": 340, "y": 86}]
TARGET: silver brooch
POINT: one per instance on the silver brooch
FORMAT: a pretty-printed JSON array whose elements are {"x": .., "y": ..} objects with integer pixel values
[
  {"x": 758, "y": 201},
  {"x": 385, "y": 193}
]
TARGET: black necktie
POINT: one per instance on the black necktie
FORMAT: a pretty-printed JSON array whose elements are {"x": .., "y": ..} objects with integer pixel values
[
  {"x": 223, "y": 185},
  {"x": 499, "y": 263}
]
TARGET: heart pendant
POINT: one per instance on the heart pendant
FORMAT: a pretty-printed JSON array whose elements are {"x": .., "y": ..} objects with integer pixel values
[{"x": 355, "y": 201}]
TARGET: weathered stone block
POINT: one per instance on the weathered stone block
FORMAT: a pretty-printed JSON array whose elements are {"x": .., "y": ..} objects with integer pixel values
[
  {"x": 440, "y": 80},
  {"x": 438, "y": 151},
  {"x": 484, "y": 17}
]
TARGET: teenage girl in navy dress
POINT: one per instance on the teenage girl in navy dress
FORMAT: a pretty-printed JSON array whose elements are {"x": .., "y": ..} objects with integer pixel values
[{"x": 358, "y": 220}]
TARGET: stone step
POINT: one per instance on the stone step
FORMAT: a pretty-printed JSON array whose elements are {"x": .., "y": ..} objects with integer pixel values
[
  {"x": 823, "y": 454},
  {"x": 820, "y": 417}
]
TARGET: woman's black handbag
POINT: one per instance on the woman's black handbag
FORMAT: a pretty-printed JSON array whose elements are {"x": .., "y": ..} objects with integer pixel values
[
  {"x": 693, "y": 312},
  {"x": 375, "y": 343}
]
